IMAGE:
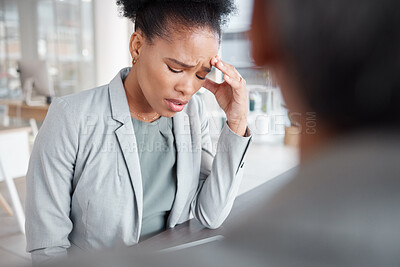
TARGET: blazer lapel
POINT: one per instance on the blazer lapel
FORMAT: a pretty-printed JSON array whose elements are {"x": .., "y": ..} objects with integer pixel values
[
  {"x": 183, "y": 141},
  {"x": 126, "y": 137}
]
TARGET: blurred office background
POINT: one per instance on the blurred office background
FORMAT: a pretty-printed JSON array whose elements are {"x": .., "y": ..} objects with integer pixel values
[
  {"x": 85, "y": 43},
  {"x": 74, "y": 37}
]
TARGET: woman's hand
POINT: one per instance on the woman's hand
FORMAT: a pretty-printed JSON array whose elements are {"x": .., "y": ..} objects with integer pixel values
[{"x": 231, "y": 95}]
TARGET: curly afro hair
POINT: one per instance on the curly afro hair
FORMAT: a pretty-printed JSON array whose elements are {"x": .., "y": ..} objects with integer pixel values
[{"x": 155, "y": 17}]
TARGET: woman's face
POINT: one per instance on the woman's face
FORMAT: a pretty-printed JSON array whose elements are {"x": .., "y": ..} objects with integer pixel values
[{"x": 169, "y": 73}]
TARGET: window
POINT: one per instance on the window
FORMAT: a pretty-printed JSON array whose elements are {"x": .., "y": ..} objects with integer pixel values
[
  {"x": 65, "y": 40},
  {"x": 58, "y": 31},
  {"x": 236, "y": 50},
  {"x": 10, "y": 49}
]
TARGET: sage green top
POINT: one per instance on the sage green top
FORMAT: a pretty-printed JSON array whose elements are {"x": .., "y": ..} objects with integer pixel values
[{"x": 157, "y": 156}]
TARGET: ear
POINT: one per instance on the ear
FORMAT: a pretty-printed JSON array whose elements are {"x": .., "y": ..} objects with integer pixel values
[
  {"x": 136, "y": 44},
  {"x": 263, "y": 34}
]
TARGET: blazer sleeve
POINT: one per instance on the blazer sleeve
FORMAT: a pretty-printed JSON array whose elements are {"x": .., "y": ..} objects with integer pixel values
[
  {"x": 220, "y": 175},
  {"x": 49, "y": 184}
]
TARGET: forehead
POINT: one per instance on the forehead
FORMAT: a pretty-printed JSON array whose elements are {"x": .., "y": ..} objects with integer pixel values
[{"x": 191, "y": 47}]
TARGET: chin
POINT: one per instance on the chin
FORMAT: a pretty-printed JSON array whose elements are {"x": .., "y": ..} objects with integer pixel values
[
  {"x": 164, "y": 112},
  {"x": 168, "y": 114}
]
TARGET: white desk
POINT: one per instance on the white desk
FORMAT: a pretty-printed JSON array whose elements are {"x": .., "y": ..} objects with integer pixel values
[{"x": 265, "y": 161}]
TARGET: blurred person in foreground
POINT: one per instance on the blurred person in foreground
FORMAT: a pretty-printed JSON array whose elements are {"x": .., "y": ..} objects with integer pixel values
[{"x": 341, "y": 60}]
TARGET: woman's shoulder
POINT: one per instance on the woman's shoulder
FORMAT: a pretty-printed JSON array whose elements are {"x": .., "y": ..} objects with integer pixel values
[
  {"x": 87, "y": 98},
  {"x": 92, "y": 101}
]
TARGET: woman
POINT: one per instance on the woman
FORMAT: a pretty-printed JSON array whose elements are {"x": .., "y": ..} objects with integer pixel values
[{"x": 122, "y": 162}]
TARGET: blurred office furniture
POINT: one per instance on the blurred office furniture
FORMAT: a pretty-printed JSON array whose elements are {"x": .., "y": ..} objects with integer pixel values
[
  {"x": 4, "y": 205},
  {"x": 18, "y": 109},
  {"x": 14, "y": 160},
  {"x": 36, "y": 82},
  {"x": 37, "y": 88},
  {"x": 267, "y": 117},
  {"x": 270, "y": 100}
]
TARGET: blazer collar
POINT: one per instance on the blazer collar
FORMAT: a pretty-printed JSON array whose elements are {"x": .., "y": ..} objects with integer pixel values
[
  {"x": 184, "y": 162},
  {"x": 127, "y": 140},
  {"x": 119, "y": 102}
]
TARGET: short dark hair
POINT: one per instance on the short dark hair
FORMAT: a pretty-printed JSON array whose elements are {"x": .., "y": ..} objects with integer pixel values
[
  {"x": 152, "y": 16},
  {"x": 345, "y": 58}
]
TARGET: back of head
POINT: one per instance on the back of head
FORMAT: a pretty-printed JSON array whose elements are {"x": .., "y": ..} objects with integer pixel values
[{"x": 344, "y": 57}]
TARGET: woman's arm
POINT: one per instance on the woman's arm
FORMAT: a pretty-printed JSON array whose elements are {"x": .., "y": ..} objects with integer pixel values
[
  {"x": 220, "y": 175},
  {"x": 49, "y": 184}
]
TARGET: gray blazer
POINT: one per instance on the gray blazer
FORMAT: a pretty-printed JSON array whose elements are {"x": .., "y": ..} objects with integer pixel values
[{"x": 84, "y": 186}]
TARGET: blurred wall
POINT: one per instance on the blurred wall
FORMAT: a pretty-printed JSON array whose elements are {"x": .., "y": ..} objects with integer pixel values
[{"x": 112, "y": 34}]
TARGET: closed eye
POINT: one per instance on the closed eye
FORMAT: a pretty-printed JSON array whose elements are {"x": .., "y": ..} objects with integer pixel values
[
  {"x": 180, "y": 71},
  {"x": 174, "y": 71}
]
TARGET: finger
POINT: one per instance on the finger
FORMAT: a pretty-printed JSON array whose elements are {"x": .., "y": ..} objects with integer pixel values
[
  {"x": 234, "y": 83},
  {"x": 225, "y": 68},
  {"x": 211, "y": 86}
]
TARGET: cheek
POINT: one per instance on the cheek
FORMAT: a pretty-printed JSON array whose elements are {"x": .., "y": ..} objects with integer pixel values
[
  {"x": 154, "y": 79},
  {"x": 163, "y": 83},
  {"x": 199, "y": 85}
]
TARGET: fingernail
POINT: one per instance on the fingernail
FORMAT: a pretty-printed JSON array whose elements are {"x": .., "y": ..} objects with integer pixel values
[
  {"x": 220, "y": 64},
  {"x": 227, "y": 77}
]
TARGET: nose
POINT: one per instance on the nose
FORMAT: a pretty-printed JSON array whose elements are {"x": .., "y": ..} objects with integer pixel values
[{"x": 186, "y": 86}]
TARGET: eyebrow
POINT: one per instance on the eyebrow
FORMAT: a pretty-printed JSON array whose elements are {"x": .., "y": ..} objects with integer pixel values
[{"x": 186, "y": 66}]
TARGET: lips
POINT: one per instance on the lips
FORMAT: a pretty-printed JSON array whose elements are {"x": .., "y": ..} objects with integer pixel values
[{"x": 176, "y": 105}]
